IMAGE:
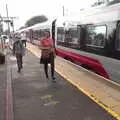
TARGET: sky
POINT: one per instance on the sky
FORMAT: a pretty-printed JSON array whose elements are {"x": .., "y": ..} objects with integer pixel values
[{"x": 25, "y": 9}]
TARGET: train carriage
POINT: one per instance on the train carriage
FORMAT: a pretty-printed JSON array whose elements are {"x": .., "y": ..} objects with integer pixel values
[{"x": 97, "y": 31}]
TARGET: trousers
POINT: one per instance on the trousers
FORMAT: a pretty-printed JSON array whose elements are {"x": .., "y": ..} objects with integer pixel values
[{"x": 19, "y": 61}]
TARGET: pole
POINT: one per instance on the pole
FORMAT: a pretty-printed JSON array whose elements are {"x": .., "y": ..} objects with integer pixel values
[
  {"x": 8, "y": 19},
  {"x": 8, "y": 24},
  {"x": 1, "y": 25},
  {"x": 63, "y": 11},
  {"x": 13, "y": 24}
]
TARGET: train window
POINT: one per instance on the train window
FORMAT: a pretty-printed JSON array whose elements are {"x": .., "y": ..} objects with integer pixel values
[
  {"x": 60, "y": 34},
  {"x": 96, "y": 36},
  {"x": 72, "y": 35},
  {"x": 68, "y": 36},
  {"x": 35, "y": 35},
  {"x": 118, "y": 38},
  {"x": 75, "y": 35}
]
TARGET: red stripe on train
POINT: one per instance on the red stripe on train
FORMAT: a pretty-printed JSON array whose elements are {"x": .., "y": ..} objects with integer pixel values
[{"x": 93, "y": 63}]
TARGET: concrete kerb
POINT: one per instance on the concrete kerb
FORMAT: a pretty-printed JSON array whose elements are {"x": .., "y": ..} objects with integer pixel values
[{"x": 8, "y": 92}]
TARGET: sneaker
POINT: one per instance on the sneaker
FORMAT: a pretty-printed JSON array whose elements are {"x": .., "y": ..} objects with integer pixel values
[
  {"x": 21, "y": 66},
  {"x": 53, "y": 79},
  {"x": 47, "y": 76},
  {"x": 18, "y": 71}
]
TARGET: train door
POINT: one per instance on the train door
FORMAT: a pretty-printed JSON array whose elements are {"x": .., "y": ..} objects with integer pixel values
[
  {"x": 82, "y": 37},
  {"x": 54, "y": 31},
  {"x": 117, "y": 44}
]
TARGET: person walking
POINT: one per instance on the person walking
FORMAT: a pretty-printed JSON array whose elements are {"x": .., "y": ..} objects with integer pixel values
[
  {"x": 18, "y": 51},
  {"x": 47, "y": 54}
]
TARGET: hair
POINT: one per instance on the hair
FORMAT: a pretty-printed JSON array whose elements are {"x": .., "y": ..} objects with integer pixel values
[{"x": 48, "y": 33}]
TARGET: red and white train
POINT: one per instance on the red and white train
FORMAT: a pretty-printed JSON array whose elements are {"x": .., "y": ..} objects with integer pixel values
[{"x": 93, "y": 42}]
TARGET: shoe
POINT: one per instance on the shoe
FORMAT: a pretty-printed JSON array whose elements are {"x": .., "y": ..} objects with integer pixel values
[
  {"x": 53, "y": 79},
  {"x": 21, "y": 66},
  {"x": 47, "y": 77},
  {"x": 18, "y": 71}
]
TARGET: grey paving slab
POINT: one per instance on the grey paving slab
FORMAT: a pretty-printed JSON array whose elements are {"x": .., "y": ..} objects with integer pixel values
[
  {"x": 2, "y": 90},
  {"x": 37, "y": 98}
]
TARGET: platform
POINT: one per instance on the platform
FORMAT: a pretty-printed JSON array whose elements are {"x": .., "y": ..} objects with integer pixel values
[{"x": 38, "y": 98}]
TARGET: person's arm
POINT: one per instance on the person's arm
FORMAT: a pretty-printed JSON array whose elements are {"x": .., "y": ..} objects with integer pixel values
[
  {"x": 13, "y": 48},
  {"x": 44, "y": 48}
]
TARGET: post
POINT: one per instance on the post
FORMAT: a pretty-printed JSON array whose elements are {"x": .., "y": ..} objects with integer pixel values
[
  {"x": 12, "y": 25},
  {"x": 8, "y": 19},
  {"x": 1, "y": 25},
  {"x": 8, "y": 25},
  {"x": 63, "y": 11}
]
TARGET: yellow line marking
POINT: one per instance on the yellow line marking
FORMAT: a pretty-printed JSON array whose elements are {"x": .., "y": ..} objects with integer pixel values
[
  {"x": 109, "y": 110},
  {"x": 51, "y": 103},
  {"x": 117, "y": 116},
  {"x": 46, "y": 97}
]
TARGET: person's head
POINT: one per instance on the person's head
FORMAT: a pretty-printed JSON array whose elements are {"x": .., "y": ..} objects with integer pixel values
[
  {"x": 17, "y": 37},
  {"x": 47, "y": 34}
]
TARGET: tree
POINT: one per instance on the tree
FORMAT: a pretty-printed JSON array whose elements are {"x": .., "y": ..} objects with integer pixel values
[
  {"x": 36, "y": 19},
  {"x": 21, "y": 27},
  {"x": 113, "y": 2},
  {"x": 109, "y": 2},
  {"x": 98, "y": 3}
]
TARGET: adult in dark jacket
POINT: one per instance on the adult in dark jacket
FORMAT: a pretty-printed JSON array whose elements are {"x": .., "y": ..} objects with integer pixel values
[{"x": 18, "y": 51}]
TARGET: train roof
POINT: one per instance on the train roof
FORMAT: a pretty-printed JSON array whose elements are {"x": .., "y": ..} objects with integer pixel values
[
  {"x": 44, "y": 25},
  {"x": 61, "y": 22},
  {"x": 68, "y": 21},
  {"x": 100, "y": 14},
  {"x": 24, "y": 29},
  {"x": 89, "y": 16}
]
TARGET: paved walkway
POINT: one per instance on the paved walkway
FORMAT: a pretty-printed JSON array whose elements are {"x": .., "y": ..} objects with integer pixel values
[
  {"x": 37, "y": 98},
  {"x": 104, "y": 92},
  {"x": 2, "y": 90}
]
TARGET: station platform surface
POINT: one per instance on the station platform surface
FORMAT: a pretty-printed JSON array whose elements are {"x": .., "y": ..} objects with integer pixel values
[
  {"x": 2, "y": 89},
  {"x": 38, "y": 98}
]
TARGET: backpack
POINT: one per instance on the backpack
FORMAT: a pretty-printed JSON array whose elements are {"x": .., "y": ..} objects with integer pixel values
[{"x": 18, "y": 47}]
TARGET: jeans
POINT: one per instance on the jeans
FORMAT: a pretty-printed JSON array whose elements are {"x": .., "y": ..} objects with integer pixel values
[
  {"x": 19, "y": 61},
  {"x": 51, "y": 64}
]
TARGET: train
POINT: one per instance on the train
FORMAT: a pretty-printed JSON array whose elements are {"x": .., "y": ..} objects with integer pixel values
[
  {"x": 93, "y": 41},
  {"x": 3, "y": 46}
]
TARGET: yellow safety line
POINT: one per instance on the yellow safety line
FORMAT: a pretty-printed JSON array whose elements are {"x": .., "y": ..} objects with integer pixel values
[
  {"x": 109, "y": 110},
  {"x": 117, "y": 116}
]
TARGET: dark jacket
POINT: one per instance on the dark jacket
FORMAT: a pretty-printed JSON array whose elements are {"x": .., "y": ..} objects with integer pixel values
[{"x": 18, "y": 47}]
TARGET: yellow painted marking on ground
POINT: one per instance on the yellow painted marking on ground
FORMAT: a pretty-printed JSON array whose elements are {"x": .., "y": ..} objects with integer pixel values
[
  {"x": 117, "y": 116},
  {"x": 46, "y": 97},
  {"x": 109, "y": 110},
  {"x": 51, "y": 103}
]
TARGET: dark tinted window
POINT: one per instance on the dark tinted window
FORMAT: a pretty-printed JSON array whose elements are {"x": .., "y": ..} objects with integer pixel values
[
  {"x": 96, "y": 35},
  {"x": 60, "y": 34},
  {"x": 118, "y": 38}
]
